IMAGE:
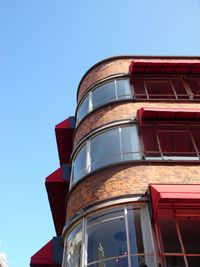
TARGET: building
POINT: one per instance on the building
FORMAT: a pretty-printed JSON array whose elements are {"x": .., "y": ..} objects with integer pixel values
[
  {"x": 127, "y": 192},
  {"x": 3, "y": 260}
]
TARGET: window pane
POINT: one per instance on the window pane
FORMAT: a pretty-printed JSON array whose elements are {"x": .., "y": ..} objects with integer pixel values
[
  {"x": 189, "y": 227},
  {"x": 105, "y": 215},
  {"x": 107, "y": 238},
  {"x": 135, "y": 231},
  {"x": 73, "y": 247},
  {"x": 139, "y": 89},
  {"x": 123, "y": 89},
  {"x": 79, "y": 169},
  {"x": 180, "y": 89},
  {"x": 194, "y": 87},
  {"x": 103, "y": 94},
  {"x": 175, "y": 261},
  {"x": 116, "y": 262},
  {"x": 195, "y": 134},
  {"x": 168, "y": 230},
  {"x": 176, "y": 144},
  {"x": 130, "y": 143},
  {"x": 160, "y": 89},
  {"x": 83, "y": 110},
  {"x": 143, "y": 261},
  {"x": 193, "y": 261},
  {"x": 151, "y": 148},
  {"x": 105, "y": 149}
]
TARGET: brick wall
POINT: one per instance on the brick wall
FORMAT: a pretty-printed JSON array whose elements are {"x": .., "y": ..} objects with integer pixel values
[
  {"x": 128, "y": 179},
  {"x": 102, "y": 71}
]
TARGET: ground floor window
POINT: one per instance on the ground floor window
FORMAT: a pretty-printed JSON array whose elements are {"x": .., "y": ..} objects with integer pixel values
[
  {"x": 114, "y": 237},
  {"x": 178, "y": 232}
]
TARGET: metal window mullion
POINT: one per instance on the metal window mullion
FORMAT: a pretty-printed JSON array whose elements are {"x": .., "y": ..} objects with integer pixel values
[
  {"x": 146, "y": 90},
  {"x": 120, "y": 143},
  {"x": 180, "y": 238},
  {"x": 127, "y": 235},
  {"x": 187, "y": 87},
  {"x": 84, "y": 244},
  {"x": 158, "y": 142},
  {"x": 72, "y": 174},
  {"x": 159, "y": 237},
  {"x": 105, "y": 220},
  {"x": 88, "y": 158},
  {"x": 141, "y": 141},
  {"x": 147, "y": 237},
  {"x": 115, "y": 84},
  {"x": 193, "y": 142},
  {"x": 64, "y": 256},
  {"x": 173, "y": 88},
  {"x": 90, "y": 106}
]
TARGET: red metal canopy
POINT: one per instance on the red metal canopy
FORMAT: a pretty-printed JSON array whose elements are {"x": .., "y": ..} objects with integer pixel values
[
  {"x": 156, "y": 66},
  {"x": 146, "y": 114},
  {"x": 44, "y": 257},
  {"x": 64, "y": 134},
  {"x": 57, "y": 189},
  {"x": 181, "y": 193}
]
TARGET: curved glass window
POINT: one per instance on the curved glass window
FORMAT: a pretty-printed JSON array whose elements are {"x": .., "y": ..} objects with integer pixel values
[
  {"x": 102, "y": 94},
  {"x": 114, "y": 145},
  {"x": 114, "y": 237},
  {"x": 72, "y": 255}
]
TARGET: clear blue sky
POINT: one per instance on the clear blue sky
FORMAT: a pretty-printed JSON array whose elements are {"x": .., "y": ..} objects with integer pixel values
[{"x": 45, "y": 48}]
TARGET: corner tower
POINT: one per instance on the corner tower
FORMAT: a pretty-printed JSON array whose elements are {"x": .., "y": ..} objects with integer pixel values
[{"x": 132, "y": 166}]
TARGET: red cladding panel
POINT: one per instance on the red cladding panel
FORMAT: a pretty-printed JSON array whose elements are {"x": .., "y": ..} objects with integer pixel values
[
  {"x": 163, "y": 193},
  {"x": 57, "y": 189},
  {"x": 44, "y": 257},
  {"x": 64, "y": 134}
]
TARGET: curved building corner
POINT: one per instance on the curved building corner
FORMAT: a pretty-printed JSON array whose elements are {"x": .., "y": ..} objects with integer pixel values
[{"x": 127, "y": 193}]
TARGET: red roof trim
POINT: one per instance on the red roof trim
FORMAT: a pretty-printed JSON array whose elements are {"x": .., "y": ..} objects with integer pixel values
[
  {"x": 44, "y": 256},
  {"x": 64, "y": 135},
  {"x": 168, "y": 193},
  {"x": 159, "y": 66},
  {"x": 57, "y": 189},
  {"x": 55, "y": 176}
]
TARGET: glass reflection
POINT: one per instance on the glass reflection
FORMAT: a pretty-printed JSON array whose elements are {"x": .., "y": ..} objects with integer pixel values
[
  {"x": 73, "y": 247},
  {"x": 102, "y": 94},
  {"x": 112, "y": 237}
]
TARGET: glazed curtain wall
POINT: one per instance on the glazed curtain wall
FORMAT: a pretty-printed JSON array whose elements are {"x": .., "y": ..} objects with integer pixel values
[
  {"x": 112, "y": 90},
  {"x": 170, "y": 88},
  {"x": 117, "y": 144},
  {"x": 115, "y": 237},
  {"x": 160, "y": 141}
]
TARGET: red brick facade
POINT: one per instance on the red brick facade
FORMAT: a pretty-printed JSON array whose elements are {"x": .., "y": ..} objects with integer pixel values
[{"x": 127, "y": 178}]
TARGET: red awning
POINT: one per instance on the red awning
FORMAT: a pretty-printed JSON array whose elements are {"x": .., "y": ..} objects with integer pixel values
[
  {"x": 170, "y": 193},
  {"x": 159, "y": 66},
  {"x": 44, "y": 257},
  {"x": 64, "y": 134},
  {"x": 57, "y": 189},
  {"x": 146, "y": 114}
]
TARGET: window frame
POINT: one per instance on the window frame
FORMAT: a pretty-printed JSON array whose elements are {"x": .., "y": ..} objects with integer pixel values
[
  {"x": 177, "y": 211},
  {"x": 154, "y": 125},
  {"x": 89, "y": 92},
  {"x": 147, "y": 235},
  {"x": 168, "y": 79},
  {"x": 88, "y": 160}
]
